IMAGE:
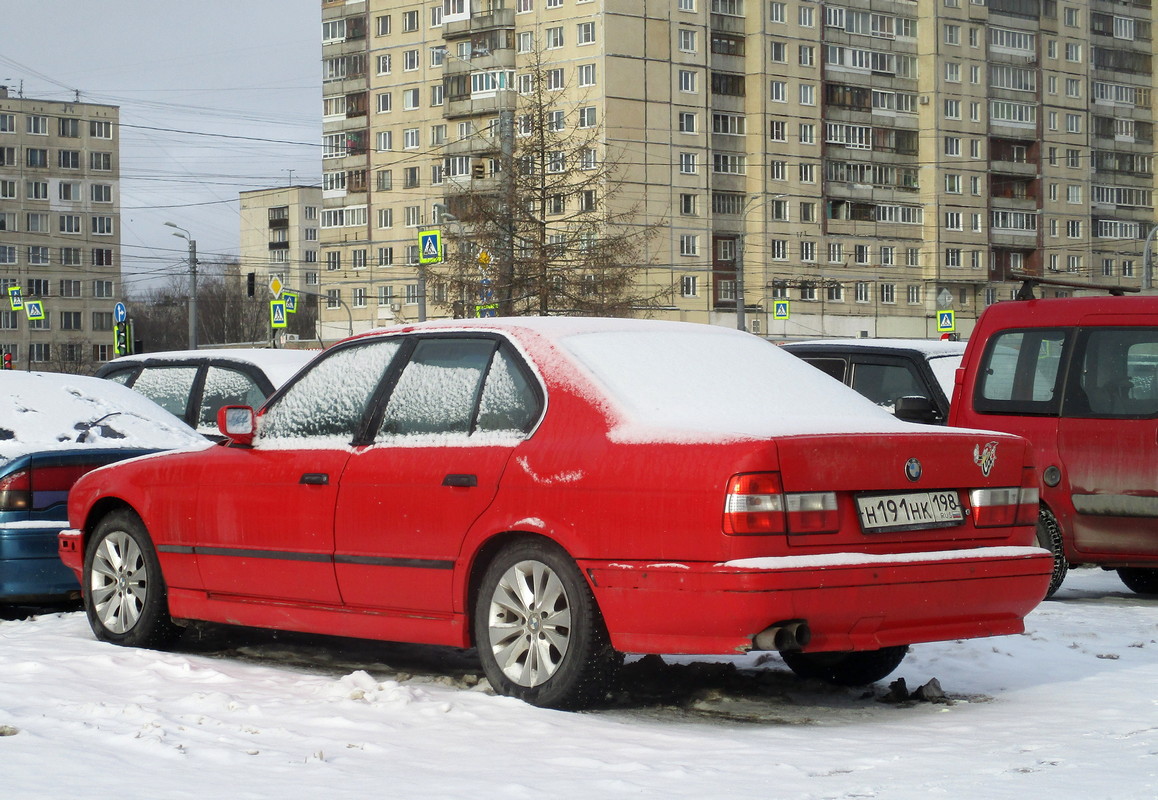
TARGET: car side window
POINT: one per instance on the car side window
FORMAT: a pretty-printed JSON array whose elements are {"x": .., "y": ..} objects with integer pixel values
[
  {"x": 1020, "y": 372},
  {"x": 329, "y": 400},
  {"x": 226, "y": 387},
  {"x": 884, "y": 383},
  {"x": 1115, "y": 374},
  {"x": 835, "y": 367},
  {"x": 509, "y": 401},
  {"x": 168, "y": 387},
  {"x": 439, "y": 388}
]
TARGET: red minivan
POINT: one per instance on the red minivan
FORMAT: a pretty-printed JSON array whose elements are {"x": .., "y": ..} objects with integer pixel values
[{"x": 1077, "y": 377}]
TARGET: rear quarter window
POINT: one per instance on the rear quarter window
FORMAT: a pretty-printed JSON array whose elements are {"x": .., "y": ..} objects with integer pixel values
[{"x": 1020, "y": 372}]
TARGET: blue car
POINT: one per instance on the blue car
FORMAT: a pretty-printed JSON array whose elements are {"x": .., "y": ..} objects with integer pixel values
[{"x": 53, "y": 429}]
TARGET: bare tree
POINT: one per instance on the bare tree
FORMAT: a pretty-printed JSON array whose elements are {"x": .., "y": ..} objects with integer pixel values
[
  {"x": 549, "y": 231},
  {"x": 225, "y": 312}
]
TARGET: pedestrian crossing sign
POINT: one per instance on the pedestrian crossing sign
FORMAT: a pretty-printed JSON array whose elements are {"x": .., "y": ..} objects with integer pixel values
[
  {"x": 277, "y": 313},
  {"x": 781, "y": 309},
  {"x": 34, "y": 309},
  {"x": 291, "y": 302},
  {"x": 946, "y": 321},
  {"x": 429, "y": 247}
]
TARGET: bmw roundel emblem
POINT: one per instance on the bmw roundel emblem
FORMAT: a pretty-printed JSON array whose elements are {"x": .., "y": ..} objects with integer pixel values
[{"x": 913, "y": 469}]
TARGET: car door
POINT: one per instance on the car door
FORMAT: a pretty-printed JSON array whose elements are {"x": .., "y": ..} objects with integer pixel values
[
  {"x": 1108, "y": 439},
  {"x": 267, "y": 512},
  {"x": 451, "y": 421}
]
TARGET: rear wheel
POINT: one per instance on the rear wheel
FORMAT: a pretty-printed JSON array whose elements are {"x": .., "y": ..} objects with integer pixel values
[
  {"x": 1140, "y": 580},
  {"x": 124, "y": 592},
  {"x": 847, "y": 668},
  {"x": 539, "y": 634},
  {"x": 1049, "y": 536}
]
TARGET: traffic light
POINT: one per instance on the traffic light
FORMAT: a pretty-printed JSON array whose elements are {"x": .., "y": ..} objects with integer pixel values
[
  {"x": 7, "y": 361},
  {"x": 121, "y": 339},
  {"x": 250, "y": 283}
]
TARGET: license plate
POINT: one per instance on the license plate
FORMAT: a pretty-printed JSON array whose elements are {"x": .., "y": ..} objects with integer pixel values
[{"x": 909, "y": 511}]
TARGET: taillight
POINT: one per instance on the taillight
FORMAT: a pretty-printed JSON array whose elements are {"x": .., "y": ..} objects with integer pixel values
[
  {"x": 757, "y": 504},
  {"x": 16, "y": 491},
  {"x": 1007, "y": 505},
  {"x": 41, "y": 487},
  {"x": 813, "y": 512}
]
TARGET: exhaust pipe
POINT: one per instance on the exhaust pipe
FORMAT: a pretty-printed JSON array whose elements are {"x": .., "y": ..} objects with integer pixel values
[{"x": 791, "y": 635}]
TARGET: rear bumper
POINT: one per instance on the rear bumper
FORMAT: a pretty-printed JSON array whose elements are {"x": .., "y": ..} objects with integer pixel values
[
  {"x": 851, "y": 601},
  {"x": 30, "y": 569}
]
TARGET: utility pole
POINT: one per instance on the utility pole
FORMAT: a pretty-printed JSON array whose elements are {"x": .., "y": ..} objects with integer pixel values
[{"x": 184, "y": 234}]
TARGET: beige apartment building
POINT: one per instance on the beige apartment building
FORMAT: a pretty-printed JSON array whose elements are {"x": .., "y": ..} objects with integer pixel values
[
  {"x": 60, "y": 231},
  {"x": 280, "y": 239},
  {"x": 849, "y": 168}
]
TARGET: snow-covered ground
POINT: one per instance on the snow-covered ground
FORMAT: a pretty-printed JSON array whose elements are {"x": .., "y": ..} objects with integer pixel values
[{"x": 1067, "y": 710}]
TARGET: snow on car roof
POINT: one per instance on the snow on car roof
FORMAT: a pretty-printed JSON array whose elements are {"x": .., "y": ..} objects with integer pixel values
[
  {"x": 45, "y": 411},
  {"x": 279, "y": 365},
  {"x": 686, "y": 381}
]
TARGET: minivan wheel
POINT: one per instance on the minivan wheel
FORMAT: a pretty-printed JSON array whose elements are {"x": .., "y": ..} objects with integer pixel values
[
  {"x": 1140, "y": 580},
  {"x": 124, "y": 593},
  {"x": 538, "y": 631},
  {"x": 1049, "y": 536},
  {"x": 856, "y": 668}
]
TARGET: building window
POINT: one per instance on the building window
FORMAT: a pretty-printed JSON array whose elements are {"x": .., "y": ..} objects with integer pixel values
[
  {"x": 689, "y": 245},
  {"x": 585, "y": 33},
  {"x": 687, "y": 81},
  {"x": 689, "y": 286}
]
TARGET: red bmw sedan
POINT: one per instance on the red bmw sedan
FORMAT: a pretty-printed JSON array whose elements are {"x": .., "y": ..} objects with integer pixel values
[{"x": 559, "y": 491}]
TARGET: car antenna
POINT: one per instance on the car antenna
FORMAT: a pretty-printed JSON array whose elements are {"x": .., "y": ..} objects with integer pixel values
[{"x": 1029, "y": 282}]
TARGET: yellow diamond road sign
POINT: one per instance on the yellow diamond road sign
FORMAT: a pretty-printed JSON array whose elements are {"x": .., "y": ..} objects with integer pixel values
[{"x": 275, "y": 286}]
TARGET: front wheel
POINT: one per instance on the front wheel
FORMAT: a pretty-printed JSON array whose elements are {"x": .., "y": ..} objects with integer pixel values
[
  {"x": 1140, "y": 580},
  {"x": 856, "y": 668},
  {"x": 124, "y": 593},
  {"x": 1049, "y": 536},
  {"x": 538, "y": 631}
]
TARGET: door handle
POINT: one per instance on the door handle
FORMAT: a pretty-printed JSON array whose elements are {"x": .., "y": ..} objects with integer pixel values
[
  {"x": 460, "y": 479},
  {"x": 315, "y": 479}
]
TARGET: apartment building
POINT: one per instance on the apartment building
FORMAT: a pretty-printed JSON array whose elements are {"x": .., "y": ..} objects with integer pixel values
[
  {"x": 844, "y": 168},
  {"x": 60, "y": 236},
  {"x": 280, "y": 239}
]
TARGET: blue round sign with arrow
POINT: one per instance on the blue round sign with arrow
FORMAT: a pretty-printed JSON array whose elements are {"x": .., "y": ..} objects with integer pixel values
[{"x": 120, "y": 313}]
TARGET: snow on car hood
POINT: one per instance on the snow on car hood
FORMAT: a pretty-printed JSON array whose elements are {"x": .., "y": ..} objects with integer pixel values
[{"x": 45, "y": 411}]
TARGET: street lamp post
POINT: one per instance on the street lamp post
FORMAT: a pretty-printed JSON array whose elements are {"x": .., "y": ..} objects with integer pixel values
[{"x": 184, "y": 234}]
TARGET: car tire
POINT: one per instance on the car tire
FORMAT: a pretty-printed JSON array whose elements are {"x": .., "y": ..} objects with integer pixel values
[
  {"x": 1049, "y": 536},
  {"x": 1140, "y": 580},
  {"x": 124, "y": 592},
  {"x": 538, "y": 630},
  {"x": 847, "y": 668}
]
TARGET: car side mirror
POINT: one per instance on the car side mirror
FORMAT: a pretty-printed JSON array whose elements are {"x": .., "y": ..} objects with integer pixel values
[
  {"x": 915, "y": 408},
  {"x": 237, "y": 424}
]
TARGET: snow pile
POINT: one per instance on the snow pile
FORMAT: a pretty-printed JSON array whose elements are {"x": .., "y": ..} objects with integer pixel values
[{"x": 1065, "y": 710}]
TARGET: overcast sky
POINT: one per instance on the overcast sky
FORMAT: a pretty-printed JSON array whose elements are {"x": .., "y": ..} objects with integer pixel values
[{"x": 216, "y": 97}]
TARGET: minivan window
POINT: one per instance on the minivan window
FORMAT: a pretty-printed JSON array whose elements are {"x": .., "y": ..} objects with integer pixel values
[
  {"x": 1115, "y": 374},
  {"x": 1020, "y": 372}
]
